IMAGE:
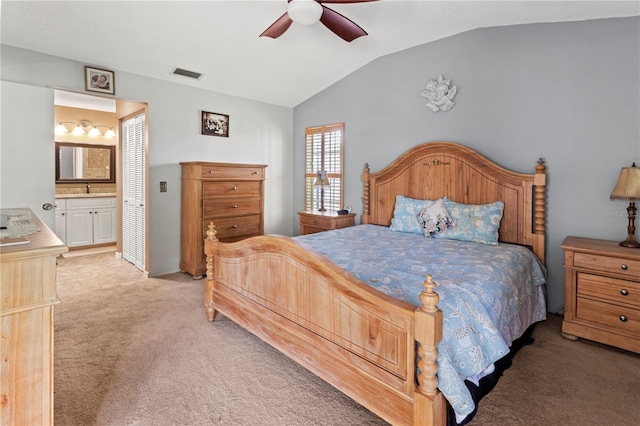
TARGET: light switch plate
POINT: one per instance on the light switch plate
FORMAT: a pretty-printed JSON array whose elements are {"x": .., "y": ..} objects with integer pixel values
[{"x": 163, "y": 186}]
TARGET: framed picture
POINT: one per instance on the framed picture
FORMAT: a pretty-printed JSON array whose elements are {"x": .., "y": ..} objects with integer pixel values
[
  {"x": 214, "y": 124},
  {"x": 98, "y": 80}
]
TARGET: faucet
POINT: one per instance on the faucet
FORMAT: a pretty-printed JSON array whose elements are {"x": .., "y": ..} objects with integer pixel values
[{"x": 88, "y": 187}]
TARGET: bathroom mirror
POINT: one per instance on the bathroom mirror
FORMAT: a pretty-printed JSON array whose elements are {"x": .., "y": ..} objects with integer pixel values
[{"x": 77, "y": 162}]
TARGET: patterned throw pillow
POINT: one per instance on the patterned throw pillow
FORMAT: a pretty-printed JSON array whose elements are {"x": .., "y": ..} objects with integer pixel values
[
  {"x": 473, "y": 222},
  {"x": 434, "y": 219},
  {"x": 405, "y": 214}
]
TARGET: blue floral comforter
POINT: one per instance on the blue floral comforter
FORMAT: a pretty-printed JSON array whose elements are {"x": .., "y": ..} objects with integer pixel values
[{"x": 489, "y": 294}]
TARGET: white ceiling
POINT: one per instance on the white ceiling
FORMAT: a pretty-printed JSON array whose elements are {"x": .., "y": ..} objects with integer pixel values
[{"x": 220, "y": 38}]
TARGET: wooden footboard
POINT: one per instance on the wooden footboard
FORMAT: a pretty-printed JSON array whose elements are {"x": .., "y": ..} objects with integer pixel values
[{"x": 351, "y": 335}]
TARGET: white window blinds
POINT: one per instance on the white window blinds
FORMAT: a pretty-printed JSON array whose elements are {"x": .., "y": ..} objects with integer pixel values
[{"x": 324, "y": 151}]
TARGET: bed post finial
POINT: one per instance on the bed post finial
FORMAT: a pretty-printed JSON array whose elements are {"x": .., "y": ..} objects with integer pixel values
[
  {"x": 428, "y": 297},
  {"x": 365, "y": 194},
  {"x": 540, "y": 181},
  {"x": 428, "y": 334},
  {"x": 209, "y": 251}
]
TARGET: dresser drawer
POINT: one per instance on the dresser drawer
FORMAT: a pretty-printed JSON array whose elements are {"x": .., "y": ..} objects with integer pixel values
[
  {"x": 608, "y": 264},
  {"x": 238, "y": 172},
  {"x": 231, "y": 227},
  {"x": 609, "y": 315},
  {"x": 231, "y": 207},
  {"x": 230, "y": 189},
  {"x": 610, "y": 289}
]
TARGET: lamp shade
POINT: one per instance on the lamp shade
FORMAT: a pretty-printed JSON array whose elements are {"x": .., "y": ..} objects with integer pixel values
[
  {"x": 628, "y": 185},
  {"x": 322, "y": 179},
  {"x": 304, "y": 12},
  {"x": 60, "y": 129}
]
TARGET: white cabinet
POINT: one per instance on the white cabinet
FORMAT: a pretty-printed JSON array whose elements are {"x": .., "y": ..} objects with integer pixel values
[
  {"x": 61, "y": 219},
  {"x": 90, "y": 221}
]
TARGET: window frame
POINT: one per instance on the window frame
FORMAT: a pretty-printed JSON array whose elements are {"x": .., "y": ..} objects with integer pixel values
[{"x": 321, "y": 153}]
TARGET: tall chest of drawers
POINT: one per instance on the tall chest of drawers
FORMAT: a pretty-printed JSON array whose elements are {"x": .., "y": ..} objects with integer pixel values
[
  {"x": 229, "y": 195},
  {"x": 602, "y": 292}
]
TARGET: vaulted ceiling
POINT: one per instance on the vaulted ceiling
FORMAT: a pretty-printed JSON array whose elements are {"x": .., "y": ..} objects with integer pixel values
[{"x": 220, "y": 39}]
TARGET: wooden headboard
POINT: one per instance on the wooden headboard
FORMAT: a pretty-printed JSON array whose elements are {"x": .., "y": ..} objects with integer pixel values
[{"x": 437, "y": 169}]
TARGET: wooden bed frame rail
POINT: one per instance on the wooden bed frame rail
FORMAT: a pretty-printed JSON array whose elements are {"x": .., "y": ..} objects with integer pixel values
[{"x": 356, "y": 338}]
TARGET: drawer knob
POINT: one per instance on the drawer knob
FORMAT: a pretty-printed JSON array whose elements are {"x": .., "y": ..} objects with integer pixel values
[
  {"x": 624, "y": 292},
  {"x": 210, "y": 172},
  {"x": 255, "y": 172},
  {"x": 624, "y": 267},
  {"x": 235, "y": 206},
  {"x": 623, "y": 318},
  {"x": 234, "y": 188},
  {"x": 235, "y": 226}
]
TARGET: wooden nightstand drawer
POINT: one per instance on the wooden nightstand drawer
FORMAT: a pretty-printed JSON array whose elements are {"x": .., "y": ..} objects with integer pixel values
[
  {"x": 317, "y": 221},
  {"x": 312, "y": 222},
  {"x": 608, "y": 264},
  {"x": 609, "y": 315},
  {"x": 230, "y": 189},
  {"x": 607, "y": 288}
]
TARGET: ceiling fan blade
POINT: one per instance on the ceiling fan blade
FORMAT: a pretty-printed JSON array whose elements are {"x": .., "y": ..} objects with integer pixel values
[
  {"x": 278, "y": 28},
  {"x": 344, "y": 1},
  {"x": 342, "y": 26}
]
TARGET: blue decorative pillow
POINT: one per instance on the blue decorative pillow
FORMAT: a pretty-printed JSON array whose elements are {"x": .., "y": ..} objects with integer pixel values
[
  {"x": 405, "y": 214},
  {"x": 434, "y": 218},
  {"x": 473, "y": 222}
]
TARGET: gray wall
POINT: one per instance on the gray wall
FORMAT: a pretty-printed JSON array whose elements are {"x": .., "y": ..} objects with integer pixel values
[
  {"x": 259, "y": 134},
  {"x": 566, "y": 92}
]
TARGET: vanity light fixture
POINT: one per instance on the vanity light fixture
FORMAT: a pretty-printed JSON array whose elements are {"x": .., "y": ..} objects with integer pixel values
[{"x": 81, "y": 128}]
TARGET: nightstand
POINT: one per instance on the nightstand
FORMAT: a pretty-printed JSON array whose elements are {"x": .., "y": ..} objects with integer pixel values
[
  {"x": 602, "y": 292},
  {"x": 314, "y": 221}
]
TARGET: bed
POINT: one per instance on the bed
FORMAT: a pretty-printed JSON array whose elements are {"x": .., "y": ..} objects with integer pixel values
[{"x": 377, "y": 349}]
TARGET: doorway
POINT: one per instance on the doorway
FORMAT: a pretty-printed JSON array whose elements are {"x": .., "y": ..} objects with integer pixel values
[{"x": 121, "y": 111}]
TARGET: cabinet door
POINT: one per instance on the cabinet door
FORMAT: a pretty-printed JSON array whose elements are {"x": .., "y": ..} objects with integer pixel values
[
  {"x": 61, "y": 225},
  {"x": 79, "y": 227},
  {"x": 104, "y": 225}
]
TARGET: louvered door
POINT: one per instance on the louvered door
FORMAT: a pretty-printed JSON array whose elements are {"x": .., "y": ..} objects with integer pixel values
[{"x": 133, "y": 190}]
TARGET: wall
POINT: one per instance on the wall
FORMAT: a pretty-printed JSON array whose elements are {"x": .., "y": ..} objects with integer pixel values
[
  {"x": 259, "y": 133},
  {"x": 566, "y": 92}
]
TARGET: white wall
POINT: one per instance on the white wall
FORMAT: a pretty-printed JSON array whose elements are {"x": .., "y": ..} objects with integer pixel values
[
  {"x": 259, "y": 134},
  {"x": 566, "y": 92}
]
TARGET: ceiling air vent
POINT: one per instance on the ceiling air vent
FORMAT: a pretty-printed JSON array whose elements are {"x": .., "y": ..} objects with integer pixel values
[{"x": 187, "y": 73}]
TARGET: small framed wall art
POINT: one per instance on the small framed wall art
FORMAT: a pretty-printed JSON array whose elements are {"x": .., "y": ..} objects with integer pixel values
[
  {"x": 99, "y": 80},
  {"x": 214, "y": 124}
]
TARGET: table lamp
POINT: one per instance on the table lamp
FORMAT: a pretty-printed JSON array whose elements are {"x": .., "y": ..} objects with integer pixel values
[
  {"x": 322, "y": 180},
  {"x": 628, "y": 188}
]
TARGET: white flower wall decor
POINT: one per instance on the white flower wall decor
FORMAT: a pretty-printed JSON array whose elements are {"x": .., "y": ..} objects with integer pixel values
[{"x": 440, "y": 94}]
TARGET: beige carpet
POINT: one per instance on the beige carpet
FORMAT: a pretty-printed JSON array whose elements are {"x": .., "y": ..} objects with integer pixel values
[{"x": 131, "y": 351}]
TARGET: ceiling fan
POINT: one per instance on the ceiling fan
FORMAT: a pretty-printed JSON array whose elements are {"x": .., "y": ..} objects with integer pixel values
[{"x": 307, "y": 12}]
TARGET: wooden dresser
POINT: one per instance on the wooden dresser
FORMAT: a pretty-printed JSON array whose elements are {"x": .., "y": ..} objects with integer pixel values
[
  {"x": 229, "y": 195},
  {"x": 314, "y": 221},
  {"x": 27, "y": 297},
  {"x": 602, "y": 292}
]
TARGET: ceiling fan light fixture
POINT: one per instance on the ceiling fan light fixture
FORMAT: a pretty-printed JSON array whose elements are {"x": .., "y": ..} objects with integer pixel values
[{"x": 304, "y": 12}]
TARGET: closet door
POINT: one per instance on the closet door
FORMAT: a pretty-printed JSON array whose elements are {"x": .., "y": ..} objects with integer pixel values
[{"x": 133, "y": 191}]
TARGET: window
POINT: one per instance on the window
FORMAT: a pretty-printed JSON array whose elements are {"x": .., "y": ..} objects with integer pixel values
[{"x": 324, "y": 151}]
